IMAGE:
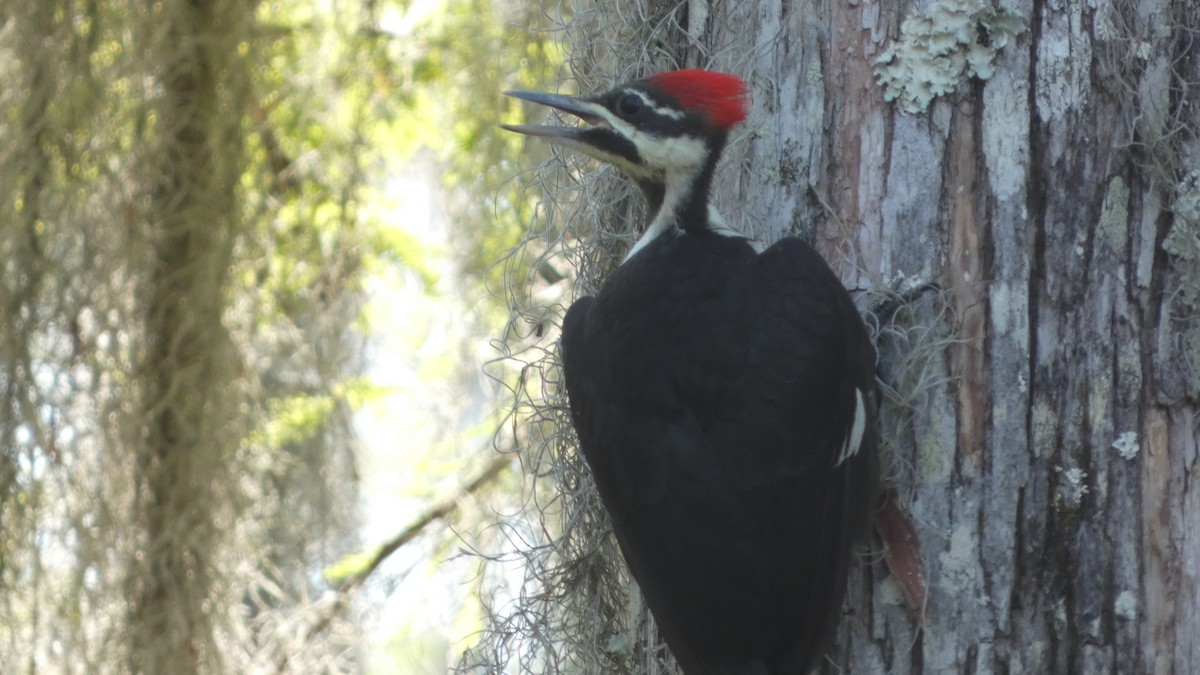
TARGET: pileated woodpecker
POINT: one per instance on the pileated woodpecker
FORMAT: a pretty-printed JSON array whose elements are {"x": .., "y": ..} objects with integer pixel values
[{"x": 723, "y": 396}]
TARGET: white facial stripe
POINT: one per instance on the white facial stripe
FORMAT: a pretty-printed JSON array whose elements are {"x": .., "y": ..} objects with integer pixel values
[
  {"x": 683, "y": 158},
  {"x": 624, "y": 129},
  {"x": 680, "y": 154},
  {"x": 674, "y": 160},
  {"x": 676, "y": 189},
  {"x": 619, "y": 125},
  {"x": 620, "y": 162},
  {"x": 857, "y": 429},
  {"x": 665, "y": 112}
]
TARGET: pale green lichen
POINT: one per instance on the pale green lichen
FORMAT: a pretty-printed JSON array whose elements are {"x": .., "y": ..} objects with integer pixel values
[
  {"x": 1187, "y": 199},
  {"x": 1072, "y": 487},
  {"x": 1183, "y": 240},
  {"x": 960, "y": 571},
  {"x": 1114, "y": 215},
  {"x": 1126, "y": 445},
  {"x": 951, "y": 41},
  {"x": 1126, "y": 606}
]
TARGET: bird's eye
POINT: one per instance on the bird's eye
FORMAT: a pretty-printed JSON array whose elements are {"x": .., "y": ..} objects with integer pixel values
[{"x": 630, "y": 105}]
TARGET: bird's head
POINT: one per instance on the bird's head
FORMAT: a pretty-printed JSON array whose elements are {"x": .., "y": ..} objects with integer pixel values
[{"x": 673, "y": 123}]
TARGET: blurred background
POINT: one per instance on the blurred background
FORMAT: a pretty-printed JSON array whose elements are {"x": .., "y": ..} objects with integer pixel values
[
  {"x": 278, "y": 307},
  {"x": 253, "y": 328}
]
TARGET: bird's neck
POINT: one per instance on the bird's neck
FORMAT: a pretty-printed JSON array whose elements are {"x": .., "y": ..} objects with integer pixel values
[{"x": 680, "y": 202}]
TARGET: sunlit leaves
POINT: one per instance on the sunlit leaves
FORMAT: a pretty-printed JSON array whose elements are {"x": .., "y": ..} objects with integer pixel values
[
  {"x": 464, "y": 58},
  {"x": 294, "y": 419}
]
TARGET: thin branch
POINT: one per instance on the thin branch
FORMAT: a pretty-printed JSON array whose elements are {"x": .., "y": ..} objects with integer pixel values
[{"x": 437, "y": 510}]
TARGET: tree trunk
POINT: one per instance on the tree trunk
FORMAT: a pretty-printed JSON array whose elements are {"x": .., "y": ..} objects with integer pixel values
[
  {"x": 1038, "y": 162},
  {"x": 186, "y": 431}
]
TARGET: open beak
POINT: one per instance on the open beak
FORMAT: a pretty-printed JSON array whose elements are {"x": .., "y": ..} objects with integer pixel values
[{"x": 584, "y": 110}]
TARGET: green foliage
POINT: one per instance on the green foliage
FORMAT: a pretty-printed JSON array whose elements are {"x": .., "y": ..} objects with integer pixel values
[
  {"x": 463, "y": 59},
  {"x": 314, "y": 103},
  {"x": 399, "y": 91},
  {"x": 294, "y": 419},
  {"x": 392, "y": 247}
]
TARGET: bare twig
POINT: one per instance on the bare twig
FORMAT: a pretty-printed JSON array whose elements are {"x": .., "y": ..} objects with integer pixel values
[{"x": 437, "y": 510}]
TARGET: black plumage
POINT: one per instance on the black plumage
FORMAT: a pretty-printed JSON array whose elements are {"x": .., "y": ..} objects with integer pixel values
[
  {"x": 712, "y": 389},
  {"x": 723, "y": 399}
]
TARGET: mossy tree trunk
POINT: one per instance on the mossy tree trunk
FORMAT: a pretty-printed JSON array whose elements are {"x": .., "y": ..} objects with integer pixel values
[{"x": 187, "y": 430}]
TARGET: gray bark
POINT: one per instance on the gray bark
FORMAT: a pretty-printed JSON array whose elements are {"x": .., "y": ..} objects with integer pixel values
[{"x": 1044, "y": 421}]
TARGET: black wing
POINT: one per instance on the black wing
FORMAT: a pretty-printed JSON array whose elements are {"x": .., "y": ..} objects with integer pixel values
[
  {"x": 819, "y": 401},
  {"x": 720, "y": 451}
]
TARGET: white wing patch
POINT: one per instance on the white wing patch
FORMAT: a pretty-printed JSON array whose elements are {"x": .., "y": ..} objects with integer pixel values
[{"x": 857, "y": 429}]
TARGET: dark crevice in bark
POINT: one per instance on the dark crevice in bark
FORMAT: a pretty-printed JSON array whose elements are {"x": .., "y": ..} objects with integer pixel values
[{"x": 1037, "y": 530}]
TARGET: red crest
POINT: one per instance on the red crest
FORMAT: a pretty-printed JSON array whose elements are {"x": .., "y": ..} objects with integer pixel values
[{"x": 720, "y": 97}]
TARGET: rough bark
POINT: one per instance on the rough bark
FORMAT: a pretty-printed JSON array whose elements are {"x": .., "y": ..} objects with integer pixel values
[{"x": 1045, "y": 417}]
